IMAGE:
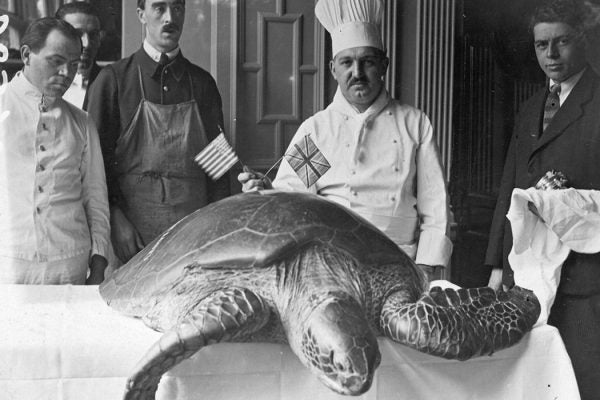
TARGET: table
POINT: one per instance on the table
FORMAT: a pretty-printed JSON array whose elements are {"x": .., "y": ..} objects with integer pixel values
[{"x": 64, "y": 342}]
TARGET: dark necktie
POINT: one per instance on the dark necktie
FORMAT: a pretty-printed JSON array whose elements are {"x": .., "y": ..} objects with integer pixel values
[
  {"x": 164, "y": 60},
  {"x": 552, "y": 104}
]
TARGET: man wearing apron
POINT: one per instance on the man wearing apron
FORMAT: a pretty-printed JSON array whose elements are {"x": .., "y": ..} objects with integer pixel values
[
  {"x": 384, "y": 161},
  {"x": 155, "y": 111}
]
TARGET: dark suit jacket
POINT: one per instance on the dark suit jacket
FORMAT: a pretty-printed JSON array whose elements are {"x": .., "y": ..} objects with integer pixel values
[
  {"x": 93, "y": 74},
  {"x": 570, "y": 144}
]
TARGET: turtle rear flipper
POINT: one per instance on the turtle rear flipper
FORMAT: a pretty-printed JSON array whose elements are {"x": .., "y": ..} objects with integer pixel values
[
  {"x": 219, "y": 317},
  {"x": 460, "y": 324}
]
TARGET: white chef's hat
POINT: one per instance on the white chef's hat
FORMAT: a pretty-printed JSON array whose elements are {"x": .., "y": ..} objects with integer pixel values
[{"x": 351, "y": 23}]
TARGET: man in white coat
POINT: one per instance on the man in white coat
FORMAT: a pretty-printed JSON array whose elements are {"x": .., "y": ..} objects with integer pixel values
[
  {"x": 384, "y": 161},
  {"x": 54, "y": 225}
]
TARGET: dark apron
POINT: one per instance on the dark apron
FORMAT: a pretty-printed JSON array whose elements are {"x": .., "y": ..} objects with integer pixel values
[{"x": 158, "y": 177}]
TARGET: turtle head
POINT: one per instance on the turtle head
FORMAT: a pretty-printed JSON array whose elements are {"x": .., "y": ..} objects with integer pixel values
[{"x": 339, "y": 346}]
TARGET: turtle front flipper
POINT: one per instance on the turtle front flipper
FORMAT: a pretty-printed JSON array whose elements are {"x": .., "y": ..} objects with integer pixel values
[
  {"x": 460, "y": 324},
  {"x": 219, "y": 317}
]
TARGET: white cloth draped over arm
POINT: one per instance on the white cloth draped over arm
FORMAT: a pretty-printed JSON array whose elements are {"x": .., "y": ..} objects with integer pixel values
[{"x": 567, "y": 219}]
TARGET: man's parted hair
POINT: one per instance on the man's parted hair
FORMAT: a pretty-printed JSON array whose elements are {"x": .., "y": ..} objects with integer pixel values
[
  {"x": 570, "y": 12},
  {"x": 142, "y": 3},
  {"x": 77, "y": 7},
  {"x": 37, "y": 32}
]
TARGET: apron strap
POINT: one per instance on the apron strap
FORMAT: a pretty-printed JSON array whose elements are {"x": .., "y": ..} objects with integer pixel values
[
  {"x": 141, "y": 83},
  {"x": 193, "y": 98}
]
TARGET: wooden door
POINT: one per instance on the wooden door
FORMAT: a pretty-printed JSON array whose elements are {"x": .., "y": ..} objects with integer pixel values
[{"x": 279, "y": 76}]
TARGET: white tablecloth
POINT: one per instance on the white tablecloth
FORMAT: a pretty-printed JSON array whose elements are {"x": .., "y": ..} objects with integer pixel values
[{"x": 64, "y": 342}]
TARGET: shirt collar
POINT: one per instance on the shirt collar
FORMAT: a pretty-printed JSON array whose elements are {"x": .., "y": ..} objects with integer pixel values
[
  {"x": 567, "y": 86},
  {"x": 148, "y": 65},
  {"x": 22, "y": 84},
  {"x": 155, "y": 54}
]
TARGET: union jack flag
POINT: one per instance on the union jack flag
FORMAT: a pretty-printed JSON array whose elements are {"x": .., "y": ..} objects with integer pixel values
[
  {"x": 217, "y": 157},
  {"x": 307, "y": 161}
]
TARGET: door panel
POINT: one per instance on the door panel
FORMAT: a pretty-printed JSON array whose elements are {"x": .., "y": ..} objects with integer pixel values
[{"x": 278, "y": 76}]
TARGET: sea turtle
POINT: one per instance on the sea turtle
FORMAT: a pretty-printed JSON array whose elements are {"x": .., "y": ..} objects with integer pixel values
[{"x": 290, "y": 267}]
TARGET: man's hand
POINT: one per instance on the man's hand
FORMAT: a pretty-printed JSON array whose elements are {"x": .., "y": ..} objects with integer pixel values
[
  {"x": 126, "y": 240},
  {"x": 252, "y": 181},
  {"x": 97, "y": 266},
  {"x": 495, "y": 281},
  {"x": 433, "y": 272}
]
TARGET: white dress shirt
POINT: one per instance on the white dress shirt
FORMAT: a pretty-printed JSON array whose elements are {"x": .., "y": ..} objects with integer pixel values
[
  {"x": 53, "y": 200},
  {"x": 385, "y": 166},
  {"x": 567, "y": 85},
  {"x": 75, "y": 94}
]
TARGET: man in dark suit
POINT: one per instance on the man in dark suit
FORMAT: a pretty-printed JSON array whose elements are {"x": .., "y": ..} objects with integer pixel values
[
  {"x": 565, "y": 139},
  {"x": 84, "y": 17}
]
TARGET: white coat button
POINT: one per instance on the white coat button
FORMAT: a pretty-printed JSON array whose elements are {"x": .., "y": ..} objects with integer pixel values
[
  {"x": 40, "y": 189},
  {"x": 42, "y": 148}
]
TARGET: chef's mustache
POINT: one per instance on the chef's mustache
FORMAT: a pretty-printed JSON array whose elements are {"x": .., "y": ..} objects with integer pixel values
[{"x": 354, "y": 81}]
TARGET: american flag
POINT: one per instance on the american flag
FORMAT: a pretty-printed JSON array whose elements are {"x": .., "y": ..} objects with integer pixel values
[
  {"x": 217, "y": 157},
  {"x": 307, "y": 161}
]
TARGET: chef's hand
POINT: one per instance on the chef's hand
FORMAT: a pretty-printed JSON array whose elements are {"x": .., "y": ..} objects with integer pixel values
[
  {"x": 126, "y": 240},
  {"x": 252, "y": 181},
  {"x": 97, "y": 266}
]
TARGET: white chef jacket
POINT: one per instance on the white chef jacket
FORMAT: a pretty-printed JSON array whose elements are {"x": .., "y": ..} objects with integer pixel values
[
  {"x": 53, "y": 199},
  {"x": 385, "y": 166}
]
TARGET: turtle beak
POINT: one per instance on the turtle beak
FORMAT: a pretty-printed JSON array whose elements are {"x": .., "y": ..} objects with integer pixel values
[
  {"x": 347, "y": 377},
  {"x": 340, "y": 347}
]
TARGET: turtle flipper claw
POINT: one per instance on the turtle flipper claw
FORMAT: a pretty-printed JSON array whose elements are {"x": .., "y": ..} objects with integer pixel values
[{"x": 460, "y": 324}]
